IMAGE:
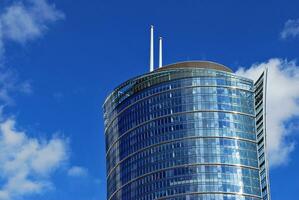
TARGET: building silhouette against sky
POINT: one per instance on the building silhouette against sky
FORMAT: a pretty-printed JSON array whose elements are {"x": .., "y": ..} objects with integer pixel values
[{"x": 187, "y": 131}]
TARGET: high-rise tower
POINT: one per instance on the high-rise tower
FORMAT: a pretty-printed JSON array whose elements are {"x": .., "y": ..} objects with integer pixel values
[{"x": 187, "y": 131}]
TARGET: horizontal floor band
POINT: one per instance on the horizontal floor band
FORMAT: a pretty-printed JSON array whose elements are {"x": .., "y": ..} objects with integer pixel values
[
  {"x": 171, "y": 141},
  {"x": 202, "y": 193},
  {"x": 170, "y": 90},
  {"x": 178, "y": 113},
  {"x": 179, "y": 166}
]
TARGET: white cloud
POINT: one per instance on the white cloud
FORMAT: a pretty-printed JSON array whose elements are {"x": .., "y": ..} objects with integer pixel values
[
  {"x": 20, "y": 22},
  {"x": 1, "y": 45},
  {"x": 291, "y": 29},
  {"x": 77, "y": 171},
  {"x": 26, "y": 20},
  {"x": 27, "y": 163},
  {"x": 282, "y": 105}
]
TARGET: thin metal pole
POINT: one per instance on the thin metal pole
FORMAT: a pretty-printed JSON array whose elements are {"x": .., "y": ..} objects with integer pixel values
[
  {"x": 160, "y": 52},
  {"x": 152, "y": 49}
]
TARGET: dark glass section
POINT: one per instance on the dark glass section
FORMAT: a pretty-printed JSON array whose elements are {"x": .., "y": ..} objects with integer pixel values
[{"x": 260, "y": 110}]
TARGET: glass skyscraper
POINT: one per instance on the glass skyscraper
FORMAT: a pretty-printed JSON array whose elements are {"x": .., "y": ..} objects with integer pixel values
[{"x": 187, "y": 131}]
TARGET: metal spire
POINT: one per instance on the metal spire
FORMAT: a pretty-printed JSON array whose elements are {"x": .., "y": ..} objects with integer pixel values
[
  {"x": 152, "y": 49},
  {"x": 160, "y": 52}
]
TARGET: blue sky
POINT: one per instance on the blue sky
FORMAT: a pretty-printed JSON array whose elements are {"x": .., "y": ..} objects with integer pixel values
[{"x": 58, "y": 63}]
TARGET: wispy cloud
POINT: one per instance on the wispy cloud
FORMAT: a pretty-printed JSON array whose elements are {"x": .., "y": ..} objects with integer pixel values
[
  {"x": 282, "y": 105},
  {"x": 291, "y": 29},
  {"x": 20, "y": 22},
  {"x": 11, "y": 84},
  {"x": 77, "y": 171},
  {"x": 26, "y": 163},
  {"x": 27, "y": 20}
]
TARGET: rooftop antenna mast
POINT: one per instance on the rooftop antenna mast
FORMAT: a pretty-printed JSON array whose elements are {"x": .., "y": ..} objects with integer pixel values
[
  {"x": 152, "y": 49},
  {"x": 160, "y": 52}
]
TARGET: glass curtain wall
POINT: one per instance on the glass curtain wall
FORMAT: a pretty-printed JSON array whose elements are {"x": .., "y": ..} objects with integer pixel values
[{"x": 182, "y": 134}]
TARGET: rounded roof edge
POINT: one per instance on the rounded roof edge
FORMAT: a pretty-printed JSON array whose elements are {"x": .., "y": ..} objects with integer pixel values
[{"x": 196, "y": 64}]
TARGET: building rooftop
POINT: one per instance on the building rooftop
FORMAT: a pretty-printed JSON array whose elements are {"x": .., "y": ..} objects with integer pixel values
[{"x": 196, "y": 64}]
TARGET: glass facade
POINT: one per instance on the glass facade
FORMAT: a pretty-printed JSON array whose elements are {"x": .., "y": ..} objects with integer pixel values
[
  {"x": 260, "y": 123},
  {"x": 182, "y": 134}
]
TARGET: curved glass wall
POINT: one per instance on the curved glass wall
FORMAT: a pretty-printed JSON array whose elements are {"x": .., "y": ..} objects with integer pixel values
[{"x": 182, "y": 134}]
